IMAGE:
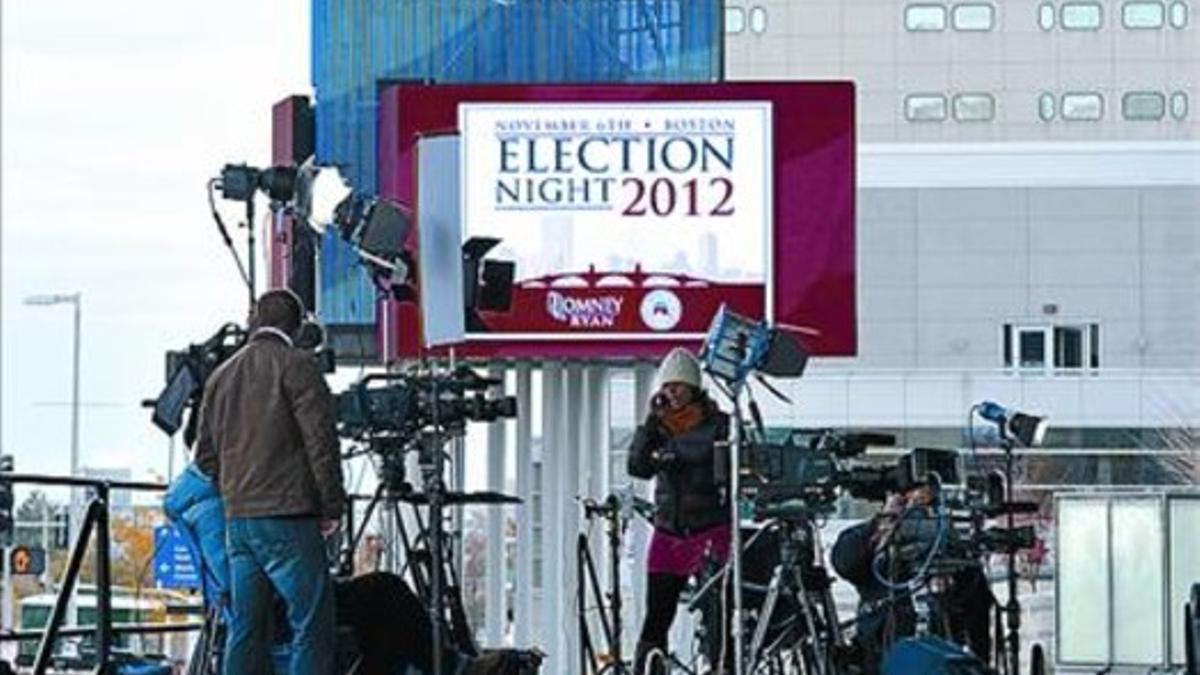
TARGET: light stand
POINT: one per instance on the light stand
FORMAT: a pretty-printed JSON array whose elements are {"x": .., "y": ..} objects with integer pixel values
[
  {"x": 735, "y": 544},
  {"x": 734, "y": 348},
  {"x": 1029, "y": 430},
  {"x": 250, "y": 250},
  {"x": 1012, "y": 609}
]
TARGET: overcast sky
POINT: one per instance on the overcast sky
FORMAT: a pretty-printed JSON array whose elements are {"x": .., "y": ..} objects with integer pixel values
[{"x": 114, "y": 116}]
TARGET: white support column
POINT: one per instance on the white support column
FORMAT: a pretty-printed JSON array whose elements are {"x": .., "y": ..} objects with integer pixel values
[
  {"x": 639, "y": 533},
  {"x": 570, "y": 477},
  {"x": 553, "y": 454},
  {"x": 494, "y": 609},
  {"x": 595, "y": 394},
  {"x": 523, "y": 593},
  {"x": 597, "y": 420}
]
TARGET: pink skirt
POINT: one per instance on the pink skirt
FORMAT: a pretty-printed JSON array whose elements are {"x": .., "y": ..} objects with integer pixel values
[{"x": 684, "y": 556}]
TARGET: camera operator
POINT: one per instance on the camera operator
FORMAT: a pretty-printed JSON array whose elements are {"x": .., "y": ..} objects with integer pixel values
[
  {"x": 675, "y": 446},
  {"x": 267, "y": 434},
  {"x": 193, "y": 504},
  {"x": 886, "y": 615}
]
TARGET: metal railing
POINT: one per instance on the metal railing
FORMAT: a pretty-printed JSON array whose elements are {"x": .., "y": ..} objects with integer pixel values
[{"x": 96, "y": 519}]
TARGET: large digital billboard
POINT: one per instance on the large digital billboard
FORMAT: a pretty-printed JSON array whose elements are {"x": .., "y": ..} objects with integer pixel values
[{"x": 633, "y": 212}]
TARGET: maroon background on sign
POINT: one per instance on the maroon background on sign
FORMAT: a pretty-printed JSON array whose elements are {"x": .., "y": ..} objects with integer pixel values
[{"x": 814, "y": 174}]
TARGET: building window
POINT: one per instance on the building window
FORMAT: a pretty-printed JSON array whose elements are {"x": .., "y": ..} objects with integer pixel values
[
  {"x": 1025, "y": 346},
  {"x": 1082, "y": 106},
  {"x": 925, "y": 17},
  {"x": 1082, "y": 16},
  {"x": 925, "y": 108},
  {"x": 735, "y": 20},
  {"x": 1077, "y": 347},
  {"x": 1046, "y": 16},
  {"x": 1179, "y": 105},
  {"x": 1143, "y": 15},
  {"x": 1143, "y": 105},
  {"x": 1066, "y": 348},
  {"x": 758, "y": 20},
  {"x": 974, "y": 17},
  {"x": 1179, "y": 14},
  {"x": 974, "y": 107},
  {"x": 1046, "y": 106}
]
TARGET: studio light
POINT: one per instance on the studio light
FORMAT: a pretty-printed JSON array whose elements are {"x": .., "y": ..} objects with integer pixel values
[
  {"x": 1028, "y": 430},
  {"x": 377, "y": 228},
  {"x": 736, "y": 346},
  {"x": 239, "y": 182}
]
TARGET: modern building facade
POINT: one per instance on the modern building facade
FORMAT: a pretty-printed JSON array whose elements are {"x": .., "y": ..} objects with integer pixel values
[
  {"x": 1012, "y": 71},
  {"x": 1029, "y": 197}
]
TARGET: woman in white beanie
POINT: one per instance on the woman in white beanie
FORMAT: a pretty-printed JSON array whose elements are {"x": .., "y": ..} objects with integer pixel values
[{"x": 675, "y": 445}]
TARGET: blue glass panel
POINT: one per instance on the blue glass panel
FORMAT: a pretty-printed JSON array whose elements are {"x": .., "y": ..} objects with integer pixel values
[{"x": 359, "y": 44}]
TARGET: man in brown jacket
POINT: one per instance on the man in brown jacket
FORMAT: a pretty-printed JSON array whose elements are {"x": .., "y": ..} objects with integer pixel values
[{"x": 267, "y": 432}]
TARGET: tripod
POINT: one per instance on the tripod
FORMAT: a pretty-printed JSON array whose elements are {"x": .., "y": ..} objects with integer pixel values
[
  {"x": 451, "y": 620},
  {"x": 610, "y": 511},
  {"x": 812, "y": 638}
]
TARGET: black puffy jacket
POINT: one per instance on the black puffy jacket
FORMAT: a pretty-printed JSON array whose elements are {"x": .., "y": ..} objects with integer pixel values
[{"x": 687, "y": 498}]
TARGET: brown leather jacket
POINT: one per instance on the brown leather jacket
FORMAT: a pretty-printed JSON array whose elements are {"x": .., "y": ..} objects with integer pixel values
[{"x": 267, "y": 432}]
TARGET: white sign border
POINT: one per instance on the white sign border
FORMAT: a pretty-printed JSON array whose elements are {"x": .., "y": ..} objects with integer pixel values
[{"x": 765, "y": 108}]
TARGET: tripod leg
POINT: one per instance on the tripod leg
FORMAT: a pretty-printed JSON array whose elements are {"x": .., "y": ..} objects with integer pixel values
[
  {"x": 764, "y": 616},
  {"x": 587, "y": 656},
  {"x": 420, "y": 581},
  {"x": 815, "y": 651},
  {"x": 357, "y": 535}
]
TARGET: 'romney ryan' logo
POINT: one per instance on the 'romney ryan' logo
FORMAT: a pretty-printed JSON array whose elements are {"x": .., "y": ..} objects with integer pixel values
[{"x": 584, "y": 312}]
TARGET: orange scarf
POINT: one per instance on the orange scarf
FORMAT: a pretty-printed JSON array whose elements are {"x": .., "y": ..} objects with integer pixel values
[{"x": 684, "y": 419}]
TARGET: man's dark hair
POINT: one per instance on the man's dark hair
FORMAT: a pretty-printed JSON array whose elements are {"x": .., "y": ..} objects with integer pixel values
[{"x": 279, "y": 308}]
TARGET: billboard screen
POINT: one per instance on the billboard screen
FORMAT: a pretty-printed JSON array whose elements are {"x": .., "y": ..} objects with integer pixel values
[{"x": 633, "y": 212}]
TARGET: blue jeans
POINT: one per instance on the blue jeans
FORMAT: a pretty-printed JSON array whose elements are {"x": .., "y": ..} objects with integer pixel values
[
  {"x": 287, "y": 555},
  {"x": 193, "y": 505}
]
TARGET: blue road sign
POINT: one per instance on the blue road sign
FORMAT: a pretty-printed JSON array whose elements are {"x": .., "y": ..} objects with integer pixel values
[{"x": 173, "y": 563}]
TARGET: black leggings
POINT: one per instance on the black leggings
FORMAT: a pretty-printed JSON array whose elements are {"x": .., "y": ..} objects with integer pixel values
[{"x": 662, "y": 599}]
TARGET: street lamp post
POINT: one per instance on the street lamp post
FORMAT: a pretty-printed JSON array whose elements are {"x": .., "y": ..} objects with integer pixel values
[{"x": 75, "y": 299}]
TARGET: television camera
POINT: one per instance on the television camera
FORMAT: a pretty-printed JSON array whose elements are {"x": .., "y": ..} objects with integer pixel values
[
  {"x": 816, "y": 467},
  {"x": 395, "y": 413},
  {"x": 187, "y": 371},
  {"x": 394, "y": 404}
]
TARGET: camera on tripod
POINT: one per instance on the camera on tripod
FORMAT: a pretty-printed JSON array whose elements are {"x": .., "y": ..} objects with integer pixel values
[{"x": 402, "y": 405}]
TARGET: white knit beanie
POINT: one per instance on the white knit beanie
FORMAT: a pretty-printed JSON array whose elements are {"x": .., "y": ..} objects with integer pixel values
[{"x": 678, "y": 366}]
